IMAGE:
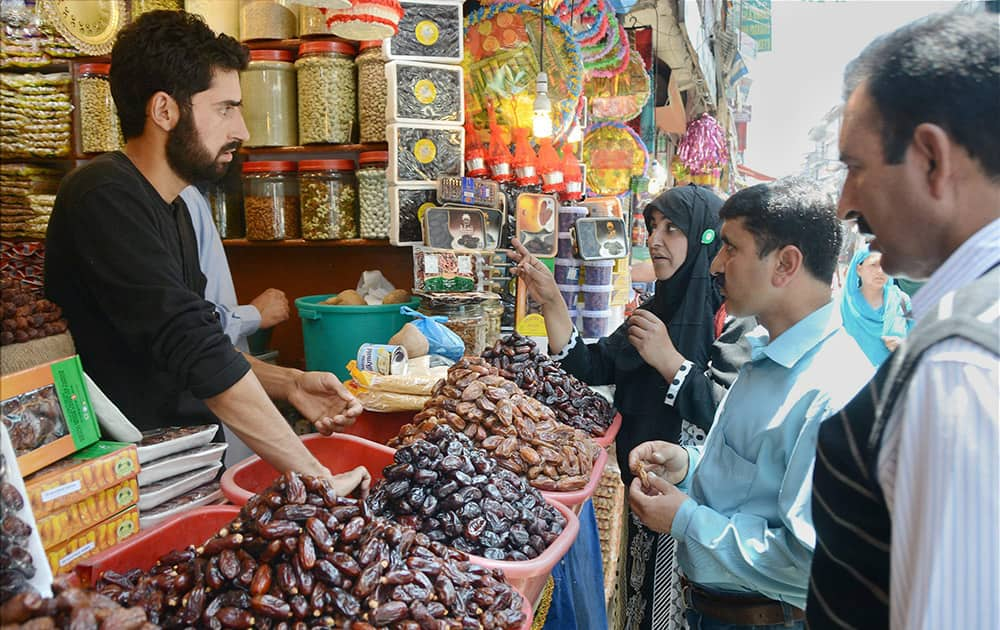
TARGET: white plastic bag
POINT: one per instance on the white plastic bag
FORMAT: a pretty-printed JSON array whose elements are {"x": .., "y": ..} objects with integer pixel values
[{"x": 374, "y": 287}]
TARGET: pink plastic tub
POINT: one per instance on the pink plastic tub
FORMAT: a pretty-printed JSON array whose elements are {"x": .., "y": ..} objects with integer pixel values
[
  {"x": 609, "y": 436},
  {"x": 338, "y": 452},
  {"x": 578, "y": 497}
]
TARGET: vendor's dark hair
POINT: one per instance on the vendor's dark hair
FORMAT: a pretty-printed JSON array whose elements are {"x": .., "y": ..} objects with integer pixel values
[
  {"x": 790, "y": 212},
  {"x": 943, "y": 69},
  {"x": 169, "y": 51}
]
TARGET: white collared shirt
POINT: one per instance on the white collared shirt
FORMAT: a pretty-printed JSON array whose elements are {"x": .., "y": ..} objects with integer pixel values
[{"x": 938, "y": 469}]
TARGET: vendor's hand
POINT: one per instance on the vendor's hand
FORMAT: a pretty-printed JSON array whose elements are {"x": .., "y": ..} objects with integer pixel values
[
  {"x": 657, "y": 504},
  {"x": 892, "y": 342},
  {"x": 273, "y": 307},
  {"x": 649, "y": 336},
  {"x": 323, "y": 400},
  {"x": 668, "y": 462},
  {"x": 346, "y": 483},
  {"x": 538, "y": 279}
]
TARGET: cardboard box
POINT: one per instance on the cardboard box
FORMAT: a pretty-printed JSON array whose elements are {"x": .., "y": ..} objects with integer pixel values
[
  {"x": 107, "y": 533},
  {"x": 73, "y": 519},
  {"x": 47, "y": 413},
  {"x": 84, "y": 474}
]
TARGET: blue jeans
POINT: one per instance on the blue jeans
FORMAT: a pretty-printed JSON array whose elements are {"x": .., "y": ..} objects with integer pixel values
[{"x": 697, "y": 621}]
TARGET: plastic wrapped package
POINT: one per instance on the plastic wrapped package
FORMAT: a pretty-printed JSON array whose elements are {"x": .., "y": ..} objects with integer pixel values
[
  {"x": 447, "y": 271},
  {"x": 424, "y": 153},
  {"x": 36, "y": 117},
  {"x": 157, "y": 443},
  {"x": 173, "y": 487},
  {"x": 424, "y": 92},
  {"x": 198, "y": 457},
  {"x": 372, "y": 87},
  {"x": 406, "y": 206},
  {"x": 202, "y": 495},
  {"x": 431, "y": 31}
]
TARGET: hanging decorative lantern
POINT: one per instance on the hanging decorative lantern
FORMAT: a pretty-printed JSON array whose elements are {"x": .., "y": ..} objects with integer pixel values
[
  {"x": 367, "y": 19},
  {"x": 703, "y": 150}
]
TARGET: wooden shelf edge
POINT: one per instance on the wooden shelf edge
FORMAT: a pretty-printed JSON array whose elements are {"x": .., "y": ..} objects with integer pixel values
[
  {"x": 298, "y": 242},
  {"x": 316, "y": 148}
]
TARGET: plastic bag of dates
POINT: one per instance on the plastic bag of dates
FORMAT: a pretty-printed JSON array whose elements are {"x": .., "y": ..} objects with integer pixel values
[
  {"x": 456, "y": 494},
  {"x": 70, "y": 608},
  {"x": 299, "y": 556},
  {"x": 521, "y": 433},
  {"x": 574, "y": 404}
]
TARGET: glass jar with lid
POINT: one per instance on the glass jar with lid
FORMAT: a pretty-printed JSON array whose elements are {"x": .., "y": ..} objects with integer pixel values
[
  {"x": 268, "y": 19},
  {"x": 465, "y": 317},
  {"x": 326, "y": 91},
  {"x": 226, "y": 211},
  {"x": 372, "y": 88},
  {"x": 329, "y": 199},
  {"x": 271, "y": 200},
  {"x": 373, "y": 194},
  {"x": 222, "y": 16},
  {"x": 269, "y": 99},
  {"x": 98, "y": 119},
  {"x": 493, "y": 312}
]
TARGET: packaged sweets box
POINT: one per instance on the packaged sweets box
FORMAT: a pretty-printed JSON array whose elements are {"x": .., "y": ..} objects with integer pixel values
[
  {"x": 73, "y": 519},
  {"x": 107, "y": 533},
  {"x": 47, "y": 413},
  {"x": 82, "y": 475}
]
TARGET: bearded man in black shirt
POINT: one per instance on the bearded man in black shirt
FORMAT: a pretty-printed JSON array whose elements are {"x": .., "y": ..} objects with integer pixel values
[{"x": 122, "y": 259}]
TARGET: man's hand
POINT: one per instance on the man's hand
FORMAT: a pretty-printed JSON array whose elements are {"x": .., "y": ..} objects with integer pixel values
[
  {"x": 666, "y": 461},
  {"x": 346, "y": 483},
  {"x": 323, "y": 400},
  {"x": 649, "y": 336},
  {"x": 655, "y": 505},
  {"x": 273, "y": 307},
  {"x": 540, "y": 282}
]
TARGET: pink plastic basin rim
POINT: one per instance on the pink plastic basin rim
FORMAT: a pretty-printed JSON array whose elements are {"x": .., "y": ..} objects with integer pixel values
[
  {"x": 577, "y": 497},
  {"x": 609, "y": 436}
]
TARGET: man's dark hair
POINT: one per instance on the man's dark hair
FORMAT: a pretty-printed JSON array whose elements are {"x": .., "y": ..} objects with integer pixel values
[
  {"x": 169, "y": 51},
  {"x": 943, "y": 69},
  {"x": 790, "y": 212}
]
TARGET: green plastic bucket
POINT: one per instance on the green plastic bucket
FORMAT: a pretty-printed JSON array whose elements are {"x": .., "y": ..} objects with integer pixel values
[{"x": 332, "y": 334}]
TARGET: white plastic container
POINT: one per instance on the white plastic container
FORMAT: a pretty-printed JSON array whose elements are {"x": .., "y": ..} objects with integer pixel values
[
  {"x": 420, "y": 92},
  {"x": 430, "y": 30},
  {"x": 406, "y": 206},
  {"x": 158, "y": 443},
  {"x": 198, "y": 457},
  {"x": 597, "y": 272},
  {"x": 567, "y": 270},
  {"x": 202, "y": 495},
  {"x": 596, "y": 298},
  {"x": 570, "y": 293},
  {"x": 594, "y": 324},
  {"x": 423, "y": 153},
  {"x": 172, "y": 487}
]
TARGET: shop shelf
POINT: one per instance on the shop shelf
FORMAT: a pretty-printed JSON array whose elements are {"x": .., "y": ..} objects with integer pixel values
[
  {"x": 338, "y": 452},
  {"x": 298, "y": 242},
  {"x": 316, "y": 148}
]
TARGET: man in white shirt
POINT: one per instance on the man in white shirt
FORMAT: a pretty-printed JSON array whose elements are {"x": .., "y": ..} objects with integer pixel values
[{"x": 906, "y": 485}]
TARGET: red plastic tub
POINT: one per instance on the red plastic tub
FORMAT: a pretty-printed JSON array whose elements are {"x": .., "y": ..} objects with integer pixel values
[
  {"x": 142, "y": 550},
  {"x": 338, "y": 452},
  {"x": 609, "y": 436},
  {"x": 379, "y": 426},
  {"x": 576, "y": 498}
]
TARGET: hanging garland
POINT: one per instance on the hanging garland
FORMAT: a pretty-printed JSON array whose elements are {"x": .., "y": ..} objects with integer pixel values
[{"x": 703, "y": 148}]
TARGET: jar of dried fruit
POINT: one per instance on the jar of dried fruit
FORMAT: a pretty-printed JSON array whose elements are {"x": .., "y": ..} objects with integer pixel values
[
  {"x": 329, "y": 193},
  {"x": 465, "y": 317},
  {"x": 98, "y": 123},
  {"x": 271, "y": 200}
]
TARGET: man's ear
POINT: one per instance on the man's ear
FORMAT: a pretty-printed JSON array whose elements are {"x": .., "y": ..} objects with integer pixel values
[
  {"x": 163, "y": 111},
  {"x": 788, "y": 262},
  {"x": 932, "y": 150}
]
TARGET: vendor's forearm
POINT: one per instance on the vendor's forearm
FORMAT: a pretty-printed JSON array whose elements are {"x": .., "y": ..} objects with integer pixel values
[
  {"x": 277, "y": 381},
  {"x": 246, "y": 409},
  {"x": 558, "y": 325}
]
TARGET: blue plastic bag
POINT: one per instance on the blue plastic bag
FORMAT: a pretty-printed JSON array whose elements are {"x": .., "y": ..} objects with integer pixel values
[{"x": 442, "y": 340}]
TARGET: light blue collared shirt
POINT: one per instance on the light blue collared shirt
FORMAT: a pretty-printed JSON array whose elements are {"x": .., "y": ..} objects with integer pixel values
[{"x": 748, "y": 524}]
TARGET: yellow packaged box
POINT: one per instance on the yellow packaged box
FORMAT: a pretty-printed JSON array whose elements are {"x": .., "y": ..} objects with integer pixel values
[
  {"x": 64, "y": 556},
  {"x": 84, "y": 474},
  {"x": 73, "y": 519}
]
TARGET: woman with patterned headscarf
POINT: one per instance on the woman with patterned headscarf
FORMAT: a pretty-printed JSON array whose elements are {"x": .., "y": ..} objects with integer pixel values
[{"x": 669, "y": 369}]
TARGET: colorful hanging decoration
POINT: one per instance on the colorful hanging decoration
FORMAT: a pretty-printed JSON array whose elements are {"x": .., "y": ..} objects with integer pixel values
[
  {"x": 703, "y": 150},
  {"x": 365, "y": 20},
  {"x": 501, "y": 63},
  {"x": 620, "y": 97},
  {"x": 550, "y": 167},
  {"x": 572, "y": 176},
  {"x": 614, "y": 154},
  {"x": 610, "y": 56}
]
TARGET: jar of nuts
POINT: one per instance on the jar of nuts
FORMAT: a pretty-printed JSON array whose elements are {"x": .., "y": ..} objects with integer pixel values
[
  {"x": 269, "y": 109},
  {"x": 326, "y": 91},
  {"x": 98, "y": 123},
  {"x": 465, "y": 317},
  {"x": 329, "y": 193},
  {"x": 373, "y": 194},
  {"x": 271, "y": 200},
  {"x": 268, "y": 19},
  {"x": 371, "y": 91}
]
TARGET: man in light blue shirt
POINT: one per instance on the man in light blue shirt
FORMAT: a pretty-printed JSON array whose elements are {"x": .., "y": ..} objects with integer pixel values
[{"x": 740, "y": 511}]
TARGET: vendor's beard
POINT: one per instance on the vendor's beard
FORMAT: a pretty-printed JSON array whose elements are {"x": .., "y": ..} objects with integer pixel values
[{"x": 189, "y": 158}]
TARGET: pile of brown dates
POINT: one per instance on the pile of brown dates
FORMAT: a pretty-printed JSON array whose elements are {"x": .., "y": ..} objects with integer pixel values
[
  {"x": 70, "y": 608},
  {"x": 299, "y": 556},
  {"x": 16, "y": 566},
  {"x": 519, "y": 432},
  {"x": 540, "y": 377},
  {"x": 456, "y": 494}
]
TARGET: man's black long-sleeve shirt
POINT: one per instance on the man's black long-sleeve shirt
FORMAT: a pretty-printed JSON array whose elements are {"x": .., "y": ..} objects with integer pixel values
[{"x": 123, "y": 265}]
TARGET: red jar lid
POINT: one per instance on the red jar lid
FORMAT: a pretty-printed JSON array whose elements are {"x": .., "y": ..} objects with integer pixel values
[
  {"x": 326, "y": 165},
  {"x": 264, "y": 166},
  {"x": 369, "y": 157},
  {"x": 326, "y": 45},
  {"x": 271, "y": 55},
  {"x": 370, "y": 43},
  {"x": 94, "y": 68}
]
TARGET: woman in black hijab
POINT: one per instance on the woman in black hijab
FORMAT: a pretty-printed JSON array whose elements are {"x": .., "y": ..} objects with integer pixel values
[{"x": 665, "y": 363}]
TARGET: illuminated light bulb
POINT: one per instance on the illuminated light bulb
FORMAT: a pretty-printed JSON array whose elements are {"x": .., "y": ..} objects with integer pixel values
[{"x": 542, "y": 122}]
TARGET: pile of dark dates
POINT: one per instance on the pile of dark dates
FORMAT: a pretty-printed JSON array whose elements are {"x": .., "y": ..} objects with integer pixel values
[
  {"x": 456, "y": 494},
  {"x": 519, "y": 432},
  {"x": 16, "y": 566},
  {"x": 70, "y": 608},
  {"x": 540, "y": 377},
  {"x": 299, "y": 556}
]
